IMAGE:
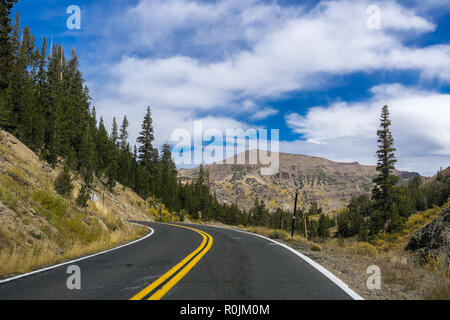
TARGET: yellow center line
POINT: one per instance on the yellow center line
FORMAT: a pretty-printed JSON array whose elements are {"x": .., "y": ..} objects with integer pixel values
[{"x": 161, "y": 292}]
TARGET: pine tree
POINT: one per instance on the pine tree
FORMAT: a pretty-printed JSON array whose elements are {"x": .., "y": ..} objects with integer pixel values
[
  {"x": 112, "y": 171},
  {"x": 63, "y": 183},
  {"x": 386, "y": 215},
  {"x": 76, "y": 104},
  {"x": 14, "y": 93},
  {"x": 114, "y": 132},
  {"x": 83, "y": 196},
  {"x": 167, "y": 178},
  {"x": 103, "y": 149},
  {"x": 26, "y": 69},
  {"x": 6, "y": 48},
  {"x": 322, "y": 229},
  {"x": 146, "y": 138},
  {"x": 87, "y": 155},
  {"x": 123, "y": 138},
  {"x": 41, "y": 100},
  {"x": 54, "y": 130},
  {"x": 148, "y": 156},
  {"x": 124, "y": 165}
]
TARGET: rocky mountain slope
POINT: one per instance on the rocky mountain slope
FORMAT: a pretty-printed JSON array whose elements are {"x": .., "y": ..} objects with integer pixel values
[
  {"x": 39, "y": 227},
  {"x": 330, "y": 184}
]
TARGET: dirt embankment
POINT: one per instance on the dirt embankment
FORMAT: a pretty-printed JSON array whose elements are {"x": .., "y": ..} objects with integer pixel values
[{"x": 38, "y": 227}]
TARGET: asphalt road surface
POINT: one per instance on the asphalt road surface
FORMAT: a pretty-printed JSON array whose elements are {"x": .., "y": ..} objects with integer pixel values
[{"x": 186, "y": 262}]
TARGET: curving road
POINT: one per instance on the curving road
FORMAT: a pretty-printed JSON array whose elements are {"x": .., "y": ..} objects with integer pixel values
[{"x": 187, "y": 262}]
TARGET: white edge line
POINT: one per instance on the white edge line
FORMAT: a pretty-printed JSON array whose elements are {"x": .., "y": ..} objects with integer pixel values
[
  {"x": 79, "y": 259},
  {"x": 341, "y": 284}
]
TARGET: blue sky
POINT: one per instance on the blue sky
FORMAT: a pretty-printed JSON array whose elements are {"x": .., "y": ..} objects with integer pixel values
[{"x": 312, "y": 69}]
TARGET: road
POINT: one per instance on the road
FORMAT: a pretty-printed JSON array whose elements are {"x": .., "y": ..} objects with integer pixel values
[{"x": 186, "y": 262}]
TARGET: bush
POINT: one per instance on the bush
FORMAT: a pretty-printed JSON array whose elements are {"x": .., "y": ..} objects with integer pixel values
[
  {"x": 63, "y": 183},
  {"x": 365, "y": 249},
  {"x": 54, "y": 205},
  {"x": 363, "y": 235},
  {"x": 316, "y": 247},
  {"x": 278, "y": 235},
  {"x": 83, "y": 196}
]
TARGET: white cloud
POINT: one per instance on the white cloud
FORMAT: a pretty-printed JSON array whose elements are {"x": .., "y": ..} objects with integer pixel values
[
  {"x": 165, "y": 121},
  {"x": 347, "y": 132},
  {"x": 155, "y": 23},
  {"x": 263, "y": 50},
  {"x": 285, "y": 55},
  {"x": 263, "y": 113}
]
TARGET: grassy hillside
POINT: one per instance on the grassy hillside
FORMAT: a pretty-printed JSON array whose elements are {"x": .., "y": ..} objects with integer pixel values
[{"x": 38, "y": 227}]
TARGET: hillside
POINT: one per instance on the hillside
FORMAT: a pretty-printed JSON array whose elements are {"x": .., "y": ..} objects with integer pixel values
[
  {"x": 38, "y": 227},
  {"x": 330, "y": 184}
]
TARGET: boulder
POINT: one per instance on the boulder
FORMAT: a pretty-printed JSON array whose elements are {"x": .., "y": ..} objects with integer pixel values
[{"x": 434, "y": 239}]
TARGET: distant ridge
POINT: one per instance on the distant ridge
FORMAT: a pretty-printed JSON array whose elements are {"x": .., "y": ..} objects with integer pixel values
[{"x": 331, "y": 184}]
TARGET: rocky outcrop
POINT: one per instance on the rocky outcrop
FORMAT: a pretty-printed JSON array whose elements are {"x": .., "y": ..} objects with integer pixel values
[{"x": 434, "y": 239}]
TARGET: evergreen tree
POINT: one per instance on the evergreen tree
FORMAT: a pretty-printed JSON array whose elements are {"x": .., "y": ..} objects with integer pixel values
[
  {"x": 167, "y": 178},
  {"x": 103, "y": 148},
  {"x": 41, "y": 100},
  {"x": 54, "y": 129},
  {"x": 114, "y": 132},
  {"x": 124, "y": 153},
  {"x": 6, "y": 47},
  {"x": 63, "y": 183},
  {"x": 83, "y": 196},
  {"x": 324, "y": 224},
  {"x": 147, "y": 155},
  {"x": 146, "y": 138},
  {"x": 87, "y": 155},
  {"x": 123, "y": 138},
  {"x": 386, "y": 215}
]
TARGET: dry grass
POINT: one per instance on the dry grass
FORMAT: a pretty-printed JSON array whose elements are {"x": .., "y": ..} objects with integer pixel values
[
  {"x": 39, "y": 228},
  {"x": 20, "y": 260},
  {"x": 275, "y": 234},
  {"x": 441, "y": 292}
]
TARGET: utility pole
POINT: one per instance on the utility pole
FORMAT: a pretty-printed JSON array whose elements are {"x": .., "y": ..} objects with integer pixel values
[
  {"x": 295, "y": 213},
  {"x": 306, "y": 228},
  {"x": 299, "y": 185}
]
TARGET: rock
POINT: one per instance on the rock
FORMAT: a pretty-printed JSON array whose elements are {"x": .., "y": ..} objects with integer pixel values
[{"x": 434, "y": 239}]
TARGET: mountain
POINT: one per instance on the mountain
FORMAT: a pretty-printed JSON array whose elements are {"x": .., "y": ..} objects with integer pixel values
[{"x": 330, "y": 184}]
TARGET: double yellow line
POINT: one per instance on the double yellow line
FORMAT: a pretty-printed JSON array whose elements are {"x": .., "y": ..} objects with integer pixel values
[{"x": 182, "y": 268}]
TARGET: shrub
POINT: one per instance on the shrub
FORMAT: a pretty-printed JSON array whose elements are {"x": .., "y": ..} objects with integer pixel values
[
  {"x": 365, "y": 249},
  {"x": 316, "y": 247},
  {"x": 278, "y": 235},
  {"x": 83, "y": 196},
  {"x": 54, "y": 205},
  {"x": 63, "y": 183}
]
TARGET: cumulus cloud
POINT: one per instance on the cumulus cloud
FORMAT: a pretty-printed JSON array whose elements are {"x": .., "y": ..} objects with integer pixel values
[
  {"x": 263, "y": 113},
  {"x": 287, "y": 55},
  {"x": 347, "y": 131},
  {"x": 217, "y": 60},
  {"x": 220, "y": 25}
]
